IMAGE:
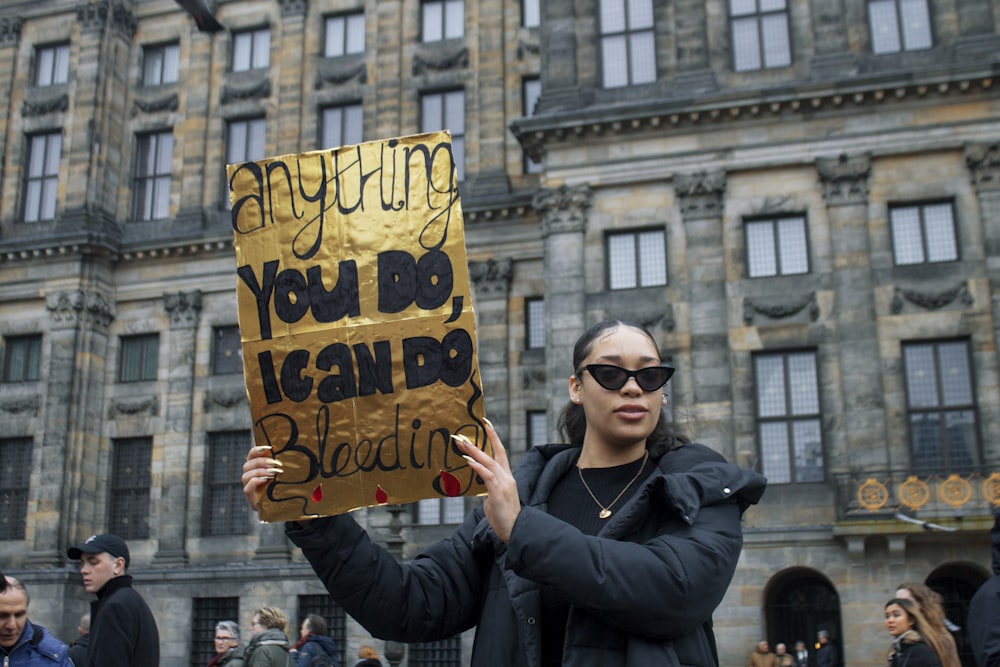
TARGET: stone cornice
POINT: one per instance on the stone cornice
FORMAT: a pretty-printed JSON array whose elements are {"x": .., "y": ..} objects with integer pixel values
[
  {"x": 733, "y": 106},
  {"x": 69, "y": 249}
]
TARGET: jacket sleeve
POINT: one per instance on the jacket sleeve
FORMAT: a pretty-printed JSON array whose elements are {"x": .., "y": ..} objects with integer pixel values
[
  {"x": 434, "y": 596},
  {"x": 658, "y": 589}
]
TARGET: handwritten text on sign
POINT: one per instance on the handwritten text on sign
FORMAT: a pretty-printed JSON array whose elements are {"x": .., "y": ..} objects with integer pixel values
[{"x": 356, "y": 317}]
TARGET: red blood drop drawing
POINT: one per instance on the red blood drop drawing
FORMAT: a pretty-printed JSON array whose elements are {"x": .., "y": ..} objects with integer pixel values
[
  {"x": 452, "y": 487},
  {"x": 381, "y": 497},
  {"x": 317, "y": 493}
]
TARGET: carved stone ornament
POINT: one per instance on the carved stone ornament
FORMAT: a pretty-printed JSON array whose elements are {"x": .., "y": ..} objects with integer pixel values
[
  {"x": 492, "y": 277},
  {"x": 93, "y": 17},
  {"x": 983, "y": 161},
  {"x": 844, "y": 179},
  {"x": 184, "y": 308},
  {"x": 930, "y": 301},
  {"x": 164, "y": 103},
  {"x": 130, "y": 407},
  {"x": 563, "y": 209},
  {"x": 252, "y": 91},
  {"x": 68, "y": 308},
  {"x": 21, "y": 406},
  {"x": 455, "y": 60},
  {"x": 527, "y": 46},
  {"x": 10, "y": 30},
  {"x": 664, "y": 320},
  {"x": 777, "y": 311},
  {"x": 701, "y": 194},
  {"x": 333, "y": 75},
  {"x": 40, "y": 107},
  {"x": 224, "y": 398},
  {"x": 293, "y": 7}
]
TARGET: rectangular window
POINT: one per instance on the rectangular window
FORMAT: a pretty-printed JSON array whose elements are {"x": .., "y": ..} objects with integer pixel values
[
  {"x": 154, "y": 157},
  {"x": 531, "y": 13},
  {"x": 628, "y": 45},
  {"x": 442, "y": 19},
  {"x": 251, "y": 49},
  {"x": 22, "y": 358},
  {"x": 345, "y": 34},
  {"x": 128, "y": 502},
  {"x": 440, "y": 511},
  {"x": 899, "y": 25},
  {"x": 446, "y": 111},
  {"x": 244, "y": 143},
  {"x": 227, "y": 350},
  {"x": 343, "y": 125},
  {"x": 788, "y": 417},
  {"x": 336, "y": 621},
  {"x": 538, "y": 428},
  {"x": 15, "y": 472},
  {"x": 42, "y": 177},
  {"x": 534, "y": 323},
  {"x": 760, "y": 34},
  {"x": 225, "y": 510},
  {"x": 776, "y": 247},
  {"x": 139, "y": 358},
  {"x": 637, "y": 259},
  {"x": 442, "y": 653},
  {"x": 941, "y": 406},
  {"x": 160, "y": 64},
  {"x": 205, "y": 613},
  {"x": 924, "y": 233},
  {"x": 51, "y": 65},
  {"x": 531, "y": 90}
]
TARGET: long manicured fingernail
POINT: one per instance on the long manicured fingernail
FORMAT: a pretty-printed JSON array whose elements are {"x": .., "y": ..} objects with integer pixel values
[
  {"x": 273, "y": 462},
  {"x": 274, "y": 471},
  {"x": 489, "y": 423},
  {"x": 468, "y": 458},
  {"x": 262, "y": 448},
  {"x": 464, "y": 440}
]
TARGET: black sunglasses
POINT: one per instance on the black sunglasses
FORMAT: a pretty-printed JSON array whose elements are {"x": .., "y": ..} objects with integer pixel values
[{"x": 614, "y": 378}]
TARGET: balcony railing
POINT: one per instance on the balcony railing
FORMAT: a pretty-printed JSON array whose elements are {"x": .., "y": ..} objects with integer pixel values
[{"x": 873, "y": 494}]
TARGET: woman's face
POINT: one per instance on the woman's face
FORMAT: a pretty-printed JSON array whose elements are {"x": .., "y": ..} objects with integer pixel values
[
  {"x": 897, "y": 621},
  {"x": 256, "y": 627},
  {"x": 224, "y": 641},
  {"x": 622, "y": 417}
]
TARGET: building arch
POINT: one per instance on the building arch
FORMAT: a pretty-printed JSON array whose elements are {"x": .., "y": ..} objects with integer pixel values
[
  {"x": 956, "y": 583},
  {"x": 798, "y": 603}
]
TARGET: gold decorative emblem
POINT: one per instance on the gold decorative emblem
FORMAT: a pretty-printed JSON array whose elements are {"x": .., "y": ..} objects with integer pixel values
[
  {"x": 872, "y": 495},
  {"x": 955, "y": 491},
  {"x": 991, "y": 489},
  {"x": 914, "y": 492}
]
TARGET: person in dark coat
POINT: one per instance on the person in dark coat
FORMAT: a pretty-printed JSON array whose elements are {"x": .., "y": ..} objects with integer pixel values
[
  {"x": 611, "y": 551},
  {"x": 826, "y": 654},
  {"x": 984, "y": 610},
  {"x": 910, "y": 648},
  {"x": 78, "y": 649},
  {"x": 313, "y": 640},
  {"x": 123, "y": 631}
]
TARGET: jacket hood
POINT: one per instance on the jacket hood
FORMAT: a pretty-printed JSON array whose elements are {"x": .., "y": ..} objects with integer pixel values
[
  {"x": 324, "y": 642},
  {"x": 271, "y": 636}
]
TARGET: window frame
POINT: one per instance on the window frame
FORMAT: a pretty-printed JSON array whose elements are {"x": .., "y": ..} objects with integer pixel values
[
  {"x": 46, "y": 200},
  {"x": 448, "y": 22},
  {"x": 631, "y": 38},
  {"x": 443, "y": 98},
  {"x": 55, "y": 73},
  {"x": 760, "y": 18},
  {"x": 899, "y": 34},
  {"x": 205, "y": 613},
  {"x": 531, "y": 91},
  {"x": 256, "y": 49},
  {"x": 531, "y": 13},
  {"x": 351, "y": 114},
  {"x": 781, "y": 256},
  {"x": 440, "y": 653},
  {"x": 151, "y": 190},
  {"x": 222, "y": 352},
  {"x": 29, "y": 348},
  {"x": 168, "y": 55},
  {"x": 223, "y": 491},
  {"x": 248, "y": 125},
  {"x": 531, "y": 425},
  {"x": 534, "y": 323},
  {"x": 797, "y": 473},
  {"x": 450, "y": 511},
  {"x": 148, "y": 368},
  {"x": 926, "y": 247},
  {"x": 128, "y": 490},
  {"x": 348, "y": 27},
  {"x": 639, "y": 268},
  {"x": 15, "y": 485},
  {"x": 334, "y": 615}
]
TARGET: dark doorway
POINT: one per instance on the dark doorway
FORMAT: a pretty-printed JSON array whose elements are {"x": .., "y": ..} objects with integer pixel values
[
  {"x": 956, "y": 584},
  {"x": 798, "y": 604}
]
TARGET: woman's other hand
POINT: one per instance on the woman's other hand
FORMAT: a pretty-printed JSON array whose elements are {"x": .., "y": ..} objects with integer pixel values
[{"x": 502, "y": 504}]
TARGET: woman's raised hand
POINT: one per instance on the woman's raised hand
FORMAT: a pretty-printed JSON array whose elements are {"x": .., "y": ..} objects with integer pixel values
[
  {"x": 258, "y": 470},
  {"x": 502, "y": 504}
]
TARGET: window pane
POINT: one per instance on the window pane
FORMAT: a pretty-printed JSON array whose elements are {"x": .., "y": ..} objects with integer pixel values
[
  {"x": 956, "y": 380},
  {"x": 808, "y": 451},
  {"x": 621, "y": 261},
  {"x": 770, "y": 386},
  {"x": 354, "y": 125},
  {"x": 453, "y": 510},
  {"x": 535, "y": 323},
  {"x": 772, "y": 5},
  {"x": 774, "y": 453},
  {"x": 61, "y": 68},
  {"x": 15, "y": 479},
  {"x": 227, "y": 352},
  {"x": 925, "y": 431},
  {"x": 531, "y": 13},
  {"x": 640, "y": 14},
  {"x": 742, "y": 7},
  {"x": 882, "y": 21},
  {"x": 643, "y": 58},
  {"x": 921, "y": 383},
  {"x": 916, "y": 24},
  {"x": 45, "y": 61},
  {"x": 792, "y": 240},
  {"x": 454, "y": 18},
  {"x": 429, "y": 512},
  {"x": 777, "y": 50},
  {"x": 761, "y": 255},
  {"x": 152, "y": 66},
  {"x": 614, "y": 61},
  {"x": 803, "y": 389},
  {"x": 225, "y": 511},
  {"x": 255, "y": 140},
  {"x": 962, "y": 438},
  {"x": 746, "y": 44},
  {"x": 129, "y": 492},
  {"x": 356, "y": 33},
  {"x": 940, "y": 227},
  {"x": 22, "y": 358},
  {"x": 433, "y": 21},
  {"x": 171, "y": 63},
  {"x": 537, "y": 429},
  {"x": 652, "y": 259},
  {"x": 612, "y": 16},
  {"x": 242, "y": 45},
  {"x": 906, "y": 238},
  {"x": 335, "y": 37},
  {"x": 261, "y": 49}
]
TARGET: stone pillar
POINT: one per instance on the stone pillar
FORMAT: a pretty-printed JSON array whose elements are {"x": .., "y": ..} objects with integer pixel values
[
  {"x": 701, "y": 197},
  {"x": 65, "y": 500},
  {"x": 560, "y": 78},
  {"x": 832, "y": 56},
  {"x": 694, "y": 71},
  {"x": 491, "y": 283},
  {"x": 291, "y": 84},
  {"x": 563, "y": 212},
  {"x": 486, "y": 148},
  {"x": 861, "y": 439},
  {"x": 172, "y": 455}
]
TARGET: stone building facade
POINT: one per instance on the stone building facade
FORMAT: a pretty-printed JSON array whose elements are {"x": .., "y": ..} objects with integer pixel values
[{"x": 801, "y": 199}]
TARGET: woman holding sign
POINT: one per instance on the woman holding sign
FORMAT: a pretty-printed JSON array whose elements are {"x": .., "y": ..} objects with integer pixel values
[{"x": 612, "y": 550}]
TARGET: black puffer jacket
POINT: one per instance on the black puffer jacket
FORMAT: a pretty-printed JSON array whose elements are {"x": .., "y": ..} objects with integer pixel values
[
  {"x": 984, "y": 610},
  {"x": 642, "y": 592}
]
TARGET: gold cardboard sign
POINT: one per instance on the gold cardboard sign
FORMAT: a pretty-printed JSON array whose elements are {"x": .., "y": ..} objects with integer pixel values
[{"x": 355, "y": 313}]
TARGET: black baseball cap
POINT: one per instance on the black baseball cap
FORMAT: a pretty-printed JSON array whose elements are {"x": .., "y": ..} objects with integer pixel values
[{"x": 96, "y": 544}]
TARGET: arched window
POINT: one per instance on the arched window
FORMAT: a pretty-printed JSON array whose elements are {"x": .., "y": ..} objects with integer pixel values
[{"x": 798, "y": 604}]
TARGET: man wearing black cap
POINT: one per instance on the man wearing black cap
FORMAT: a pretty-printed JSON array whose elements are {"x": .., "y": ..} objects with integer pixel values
[{"x": 123, "y": 631}]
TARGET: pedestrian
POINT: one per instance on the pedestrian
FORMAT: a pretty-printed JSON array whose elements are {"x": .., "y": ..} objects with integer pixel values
[
  {"x": 801, "y": 654},
  {"x": 910, "y": 648},
  {"x": 761, "y": 656},
  {"x": 123, "y": 631},
  {"x": 984, "y": 610},
  {"x": 826, "y": 654},
  {"x": 614, "y": 548},
  {"x": 368, "y": 657},
  {"x": 23, "y": 643},
  {"x": 227, "y": 645},
  {"x": 314, "y": 645},
  {"x": 78, "y": 649},
  {"x": 932, "y": 608},
  {"x": 269, "y": 645},
  {"x": 785, "y": 658}
]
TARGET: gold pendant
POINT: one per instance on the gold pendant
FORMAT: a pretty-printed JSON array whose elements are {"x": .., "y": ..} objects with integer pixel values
[{"x": 604, "y": 514}]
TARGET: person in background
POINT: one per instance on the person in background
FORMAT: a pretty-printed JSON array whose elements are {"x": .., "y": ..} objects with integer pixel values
[
  {"x": 78, "y": 649},
  {"x": 227, "y": 645},
  {"x": 932, "y": 609},
  {"x": 761, "y": 656},
  {"x": 368, "y": 657},
  {"x": 123, "y": 630},
  {"x": 22, "y": 643},
  {"x": 785, "y": 658},
  {"x": 649, "y": 521},
  {"x": 801, "y": 654},
  {"x": 826, "y": 654},
  {"x": 313, "y": 640},
  {"x": 910, "y": 648},
  {"x": 269, "y": 645},
  {"x": 984, "y": 610}
]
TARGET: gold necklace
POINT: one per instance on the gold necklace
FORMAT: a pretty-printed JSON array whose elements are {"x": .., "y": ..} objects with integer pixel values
[{"x": 606, "y": 511}]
